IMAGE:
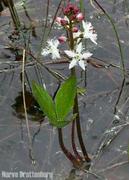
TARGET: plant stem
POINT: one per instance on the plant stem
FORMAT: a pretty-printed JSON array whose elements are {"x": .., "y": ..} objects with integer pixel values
[
  {"x": 73, "y": 123},
  {"x": 79, "y": 131},
  {"x": 14, "y": 15},
  {"x": 69, "y": 155},
  {"x": 73, "y": 143},
  {"x": 75, "y": 108},
  {"x": 82, "y": 6},
  {"x": 78, "y": 125}
]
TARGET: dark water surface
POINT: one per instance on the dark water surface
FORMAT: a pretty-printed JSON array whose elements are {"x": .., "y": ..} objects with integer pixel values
[{"x": 106, "y": 133}]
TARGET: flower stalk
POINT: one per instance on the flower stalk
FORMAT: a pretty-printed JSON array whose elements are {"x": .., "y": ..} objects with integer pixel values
[
  {"x": 75, "y": 161},
  {"x": 76, "y": 109},
  {"x": 76, "y": 57},
  {"x": 78, "y": 125},
  {"x": 78, "y": 156}
]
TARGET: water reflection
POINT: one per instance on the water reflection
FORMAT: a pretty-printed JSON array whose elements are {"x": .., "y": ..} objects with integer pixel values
[{"x": 33, "y": 109}]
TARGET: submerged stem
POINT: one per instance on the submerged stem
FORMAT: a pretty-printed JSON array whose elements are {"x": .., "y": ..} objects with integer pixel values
[
  {"x": 78, "y": 125},
  {"x": 68, "y": 154},
  {"x": 73, "y": 143},
  {"x": 79, "y": 131}
]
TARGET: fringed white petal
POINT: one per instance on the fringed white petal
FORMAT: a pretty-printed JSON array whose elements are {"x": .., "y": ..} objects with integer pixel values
[
  {"x": 70, "y": 54},
  {"x": 72, "y": 63},
  {"x": 82, "y": 64},
  {"x": 55, "y": 55},
  {"x": 45, "y": 52},
  {"x": 86, "y": 55},
  {"x": 89, "y": 32}
]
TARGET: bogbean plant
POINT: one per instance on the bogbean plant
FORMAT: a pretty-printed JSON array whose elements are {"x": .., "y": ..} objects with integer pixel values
[{"x": 64, "y": 109}]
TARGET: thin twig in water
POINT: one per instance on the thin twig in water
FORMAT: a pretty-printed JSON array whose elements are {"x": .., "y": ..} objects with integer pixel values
[
  {"x": 94, "y": 174},
  {"x": 117, "y": 36},
  {"x": 119, "y": 96},
  {"x": 114, "y": 166},
  {"x": 55, "y": 16},
  {"x": 25, "y": 109},
  {"x": 122, "y": 62},
  {"x": 92, "y": 4}
]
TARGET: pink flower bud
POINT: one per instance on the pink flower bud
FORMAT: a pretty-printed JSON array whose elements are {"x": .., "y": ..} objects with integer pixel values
[
  {"x": 64, "y": 22},
  {"x": 75, "y": 29},
  {"x": 58, "y": 20},
  {"x": 80, "y": 17},
  {"x": 62, "y": 39},
  {"x": 70, "y": 9}
]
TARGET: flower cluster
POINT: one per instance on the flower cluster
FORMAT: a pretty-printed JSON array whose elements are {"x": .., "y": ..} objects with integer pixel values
[
  {"x": 70, "y": 22},
  {"x": 71, "y": 11},
  {"x": 71, "y": 14}
]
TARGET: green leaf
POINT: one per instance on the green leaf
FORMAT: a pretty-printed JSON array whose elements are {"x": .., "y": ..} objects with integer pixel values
[
  {"x": 66, "y": 121},
  {"x": 57, "y": 113},
  {"x": 45, "y": 102},
  {"x": 65, "y": 96},
  {"x": 61, "y": 124}
]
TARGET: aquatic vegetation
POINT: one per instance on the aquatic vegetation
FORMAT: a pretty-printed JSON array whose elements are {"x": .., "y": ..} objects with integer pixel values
[
  {"x": 66, "y": 97},
  {"x": 72, "y": 18},
  {"x": 71, "y": 95},
  {"x": 58, "y": 110},
  {"x": 13, "y": 11}
]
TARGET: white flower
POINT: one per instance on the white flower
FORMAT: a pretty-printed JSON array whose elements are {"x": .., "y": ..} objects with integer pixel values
[
  {"x": 51, "y": 48},
  {"x": 78, "y": 57},
  {"x": 89, "y": 32}
]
